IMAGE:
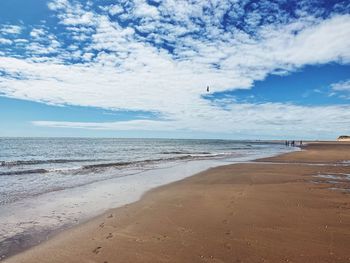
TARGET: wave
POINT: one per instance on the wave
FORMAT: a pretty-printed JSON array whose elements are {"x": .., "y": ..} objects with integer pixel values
[
  {"x": 155, "y": 161},
  {"x": 184, "y": 152},
  {"x": 32, "y": 171},
  {"x": 148, "y": 161},
  {"x": 125, "y": 164},
  {"x": 48, "y": 161}
]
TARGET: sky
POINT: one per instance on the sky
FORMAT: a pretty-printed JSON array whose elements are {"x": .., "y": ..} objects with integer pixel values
[{"x": 105, "y": 68}]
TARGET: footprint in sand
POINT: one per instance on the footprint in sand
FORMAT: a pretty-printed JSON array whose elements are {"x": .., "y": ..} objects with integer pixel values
[
  {"x": 97, "y": 250},
  {"x": 110, "y": 235},
  {"x": 185, "y": 230},
  {"x": 102, "y": 225},
  {"x": 231, "y": 213},
  {"x": 161, "y": 238},
  {"x": 228, "y": 246}
]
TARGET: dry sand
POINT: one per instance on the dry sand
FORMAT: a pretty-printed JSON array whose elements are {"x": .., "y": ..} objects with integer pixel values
[{"x": 259, "y": 212}]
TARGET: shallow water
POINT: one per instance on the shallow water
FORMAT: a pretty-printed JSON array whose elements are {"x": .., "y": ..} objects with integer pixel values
[
  {"x": 34, "y": 166},
  {"x": 339, "y": 176},
  {"x": 85, "y": 177}
]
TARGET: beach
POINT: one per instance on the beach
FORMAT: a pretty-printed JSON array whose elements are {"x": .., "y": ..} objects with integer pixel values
[{"x": 289, "y": 208}]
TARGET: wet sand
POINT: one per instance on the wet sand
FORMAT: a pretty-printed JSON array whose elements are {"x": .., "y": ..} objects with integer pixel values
[{"x": 280, "y": 209}]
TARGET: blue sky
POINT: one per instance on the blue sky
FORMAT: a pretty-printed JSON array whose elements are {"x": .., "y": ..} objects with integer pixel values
[{"x": 276, "y": 69}]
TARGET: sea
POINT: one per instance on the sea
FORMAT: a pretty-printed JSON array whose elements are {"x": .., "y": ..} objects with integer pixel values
[{"x": 50, "y": 184}]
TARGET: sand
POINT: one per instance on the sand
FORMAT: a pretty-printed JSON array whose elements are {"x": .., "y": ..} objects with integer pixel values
[{"x": 274, "y": 210}]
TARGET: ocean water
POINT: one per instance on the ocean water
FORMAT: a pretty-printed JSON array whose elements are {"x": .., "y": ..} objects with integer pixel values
[
  {"x": 33, "y": 166},
  {"x": 48, "y": 184}
]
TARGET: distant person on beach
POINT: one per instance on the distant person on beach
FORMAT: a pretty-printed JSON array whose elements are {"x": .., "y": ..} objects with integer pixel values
[{"x": 301, "y": 143}]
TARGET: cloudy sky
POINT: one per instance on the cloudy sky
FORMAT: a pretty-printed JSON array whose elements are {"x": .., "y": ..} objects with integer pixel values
[{"x": 276, "y": 69}]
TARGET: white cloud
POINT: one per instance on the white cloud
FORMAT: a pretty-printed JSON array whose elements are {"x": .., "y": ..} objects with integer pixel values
[
  {"x": 115, "y": 9},
  {"x": 261, "y": 121},
  {"x": 42, "y": 42},
  {"x": 10, "y": 29},
  {"x": 37, "y": 33},
  {"x": 5, "y": 41},
  {"x": 145, "y": 10},
  {"x": 79, "y": 19},
  {"x": 121, "y": 69},
  {"x": 21, "y": 40},
  {"x": 340, "y": 89},
  {"x": 58, "y": 4},
  {"x": 341, "y": 86}
]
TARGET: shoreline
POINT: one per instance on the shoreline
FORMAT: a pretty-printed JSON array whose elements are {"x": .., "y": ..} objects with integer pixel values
[
  {"x": 100, "y": 190},
  {"x": 214, "y": 180},
  {"x": 40, "y": 220}
]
